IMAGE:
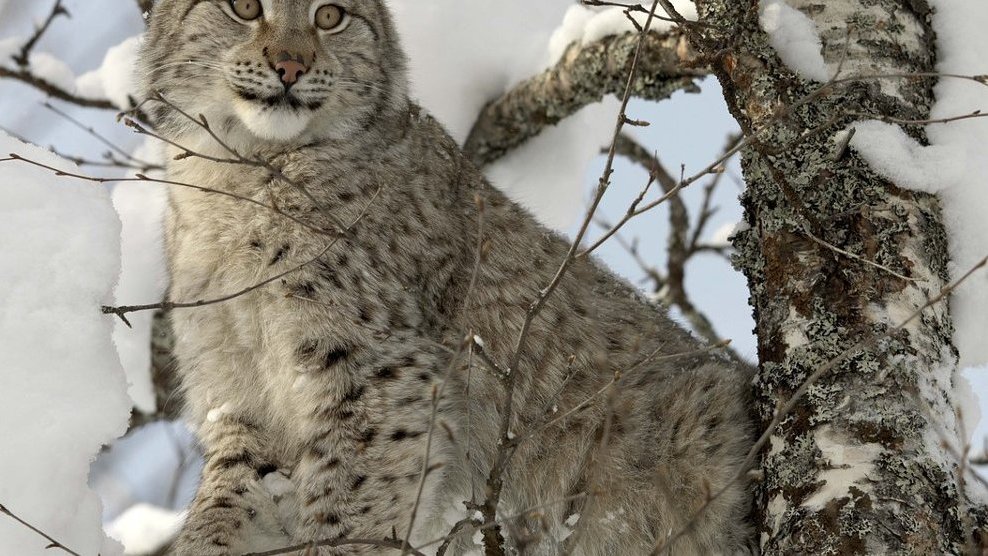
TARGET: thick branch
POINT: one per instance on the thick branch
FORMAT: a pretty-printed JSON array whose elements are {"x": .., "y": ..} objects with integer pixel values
[
  {"x": 584, "y": 75},
  {"x": 52, "y": 90}
]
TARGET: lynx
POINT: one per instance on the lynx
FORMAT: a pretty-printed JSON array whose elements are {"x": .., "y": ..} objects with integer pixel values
[{"x": 366, "y": 289}]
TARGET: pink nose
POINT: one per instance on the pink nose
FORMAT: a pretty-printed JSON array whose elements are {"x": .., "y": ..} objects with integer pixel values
[{"x": 289, "y": 68}]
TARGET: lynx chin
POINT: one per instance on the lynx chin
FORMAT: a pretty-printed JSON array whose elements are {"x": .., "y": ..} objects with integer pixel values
[{"x": 313, "y": 394}]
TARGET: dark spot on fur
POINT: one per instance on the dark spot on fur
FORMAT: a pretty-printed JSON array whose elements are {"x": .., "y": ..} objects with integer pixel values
[
  {"x": 386, "y": 373},
  {"x": 402, "y": 434},
  {"x": 425, "y": 377},
  {"x": 305, "y": 289},
  {"x": 334, "y": 356},
  {"x": 219, "y": 504},
  {"x": 266, "y": 469},
  {"x": 279, "y": 255},
  {"x": 365, "y": 510},
  {"x": 354, "y": 394},
  {"x": 366, "y": 314},
  {"x": 327, "y": 519},
  {"x": 368, "y": 436},
  {"x": 229, "y": 462},
  {"x": 256, "y": 244},
  {"x": 358, "y": 482}
]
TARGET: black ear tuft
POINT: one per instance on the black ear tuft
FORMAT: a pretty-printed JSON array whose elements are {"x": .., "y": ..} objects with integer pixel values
[{"x": 146, "y": 7}]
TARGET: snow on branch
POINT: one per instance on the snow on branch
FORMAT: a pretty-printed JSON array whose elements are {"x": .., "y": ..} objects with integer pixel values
[
  {"x": 108, "y": 88},
  {"x": 585, "y": 74}
]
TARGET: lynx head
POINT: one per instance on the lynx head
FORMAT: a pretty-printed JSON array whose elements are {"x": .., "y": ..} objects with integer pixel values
[{"x": 276, "y": 71}]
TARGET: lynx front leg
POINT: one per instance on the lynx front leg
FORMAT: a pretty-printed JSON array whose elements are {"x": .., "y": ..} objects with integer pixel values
[
  {"x": 360, "y": 475},
  {"x": 229, "y": 515}
]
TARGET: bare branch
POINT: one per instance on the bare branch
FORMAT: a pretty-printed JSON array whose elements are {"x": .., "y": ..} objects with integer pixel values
[
  {"x": 54, "y": 90},
  {"x": 22, "y": 58}
]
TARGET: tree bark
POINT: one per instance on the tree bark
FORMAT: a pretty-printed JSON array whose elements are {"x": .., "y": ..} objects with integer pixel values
[{"x": 858, "y": 466}]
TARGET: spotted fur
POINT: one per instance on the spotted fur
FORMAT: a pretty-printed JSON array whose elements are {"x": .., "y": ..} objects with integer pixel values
[{"x": 328, "y": 373}]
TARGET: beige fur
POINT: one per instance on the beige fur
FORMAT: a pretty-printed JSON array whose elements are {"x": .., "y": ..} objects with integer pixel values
[{"x": 328, "y": 373}]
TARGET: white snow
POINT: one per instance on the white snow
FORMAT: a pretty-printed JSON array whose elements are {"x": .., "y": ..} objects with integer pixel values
[
  {"x": 8, "y": 47},
  {"x": 586, "y": 25},
  {"x": 963, "y": 49},
  {"x": 145, "y": 529},
  {"x": 722, "y": 235},
  {"x": 900, "y": 158},
  {"x": 795, "y": 38},
  {"x": 114, "y": 79},
  {"x": 954, "y": 165},
  {"x": 143, "y": 278},
  {"x": 52, "y": 70},
  {"x": 62, "y": 390}
]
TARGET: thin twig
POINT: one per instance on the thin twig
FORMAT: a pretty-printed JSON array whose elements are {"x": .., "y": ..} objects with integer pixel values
[
  {"x": 52, "y": 542},
  {"x": 438, "y": 393},
  {"x": 124, "y": 310},
  {"x": 393, "y": 544},
  {"x": 139, "y": 163},
  {"x": 493, "y": 540},
  {"x": 141, "y": 178},
  {"x": 22, "y": 58}
]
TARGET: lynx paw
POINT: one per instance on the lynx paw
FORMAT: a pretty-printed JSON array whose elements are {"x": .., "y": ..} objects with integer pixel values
[{"x": 271, "y": 502}]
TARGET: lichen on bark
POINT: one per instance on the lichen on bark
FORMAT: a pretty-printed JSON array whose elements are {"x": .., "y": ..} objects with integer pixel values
[{"x": 856, "y": 467}]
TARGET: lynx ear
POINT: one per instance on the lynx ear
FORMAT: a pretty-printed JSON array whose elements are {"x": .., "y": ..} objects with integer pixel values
[{"x": 147, "y": 7}]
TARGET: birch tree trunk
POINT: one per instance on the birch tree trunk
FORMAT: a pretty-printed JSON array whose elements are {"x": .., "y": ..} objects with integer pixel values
[{"x": 858, "y": 467}]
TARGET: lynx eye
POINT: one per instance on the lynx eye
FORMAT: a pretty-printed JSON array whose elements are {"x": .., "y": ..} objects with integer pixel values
[
  {"x": 331, "y": 18},
  {"x": 247, "y": 10}
]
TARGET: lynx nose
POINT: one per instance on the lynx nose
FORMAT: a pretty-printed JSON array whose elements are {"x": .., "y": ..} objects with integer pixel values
[{"x": 290, "y": 67}]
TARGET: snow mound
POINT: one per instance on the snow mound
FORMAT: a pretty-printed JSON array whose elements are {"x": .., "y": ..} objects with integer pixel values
[
  {"x": 114, "y": 79},
  {"x": 795, "y": 38},
  {"x": 901, "y": 159},
  {"x": 954, "y": 165},
  {"x": 584, "y": 25},
  {"x": 62, "y": 390},
  {"x": 145, "y": 529}
]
